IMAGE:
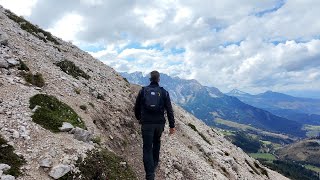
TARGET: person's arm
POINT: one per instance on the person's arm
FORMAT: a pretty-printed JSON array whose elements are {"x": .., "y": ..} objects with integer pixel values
[
  {"x": 169, "y": 109},
  {"x": 137, "y": 106}
]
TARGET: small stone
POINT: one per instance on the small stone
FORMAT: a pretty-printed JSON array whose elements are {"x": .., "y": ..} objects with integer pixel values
[
  {"x": 4, "y": 167},
  {"x": 111, "y": 137},
  {"x": 59, "y": 171},
  {"x": 82, "y": 135},
  {"x": 7, "y": 177},
  {"x": 4, "y": 63},
  {"x": 123, "y": 163},
  {"x": 66, "y": 127},
  {"x": 37, "y": 88},
  {"x": 15, "y": 134},
  {"x": 35, "y": 108},
  {"x": 12, "y": 62},
  {"x": 4, "y": 39},
  {"x": 46, "y": 163}
]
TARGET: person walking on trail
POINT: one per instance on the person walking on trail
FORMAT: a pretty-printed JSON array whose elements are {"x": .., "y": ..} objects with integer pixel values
[{"x": 151, "y": 104}]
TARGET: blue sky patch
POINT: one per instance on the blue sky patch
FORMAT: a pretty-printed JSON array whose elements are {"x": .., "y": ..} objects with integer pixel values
[
  {"x": 277, "y": 6},
  {"x": 92, "y": 47}
]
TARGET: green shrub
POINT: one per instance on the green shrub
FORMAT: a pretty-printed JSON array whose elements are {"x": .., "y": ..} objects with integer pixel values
[
  {"x": 77, "y": 90},
  {"x": 100, "y": 96},
  {"x": 23, "y": 66},
  {"x": 7, "y": 156},
  {"x": 34, "y": 79},
  {"x": 91, "y": 104},
  {"x": 70, "y": 68},
  {"x": 96, "y": 139},
  {"x": 83, "y": 107},
  {"x": 193, "y": 127},
  {"x": 34, "y": 30},
  {"x": 52, "y": 113},
  {"x": 102, "y": 165},
  {"x": 203, "y": 136}
]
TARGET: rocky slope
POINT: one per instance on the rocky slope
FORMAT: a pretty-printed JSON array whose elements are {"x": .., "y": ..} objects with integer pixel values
[{"x": 104, "y": 101}]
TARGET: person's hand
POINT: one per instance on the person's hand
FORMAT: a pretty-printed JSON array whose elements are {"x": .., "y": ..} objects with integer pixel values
[{"x": 172, "y": 131}]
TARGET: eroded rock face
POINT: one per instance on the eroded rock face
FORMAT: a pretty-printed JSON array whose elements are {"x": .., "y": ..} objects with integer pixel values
[{"x": 59, "y": 171}]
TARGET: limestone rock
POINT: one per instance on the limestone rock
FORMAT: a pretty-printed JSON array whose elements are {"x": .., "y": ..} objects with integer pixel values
[
  {"x": 4, "y": 167},
  {"x": 15, "y": 134},
  {"x": 12, "y": 62},
  {"x": 82, "y": 135},
  {"x": 7, "y": 177},
  {"x": 4, "y": 39},
  {"x": 47, "y": 162},
  {"x": 59, "y": 171},
  {"x": 66, "y": 127},
  {"x": 3, "y": 63}
]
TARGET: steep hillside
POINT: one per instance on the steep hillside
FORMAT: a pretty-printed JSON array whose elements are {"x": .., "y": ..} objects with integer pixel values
[
  {"x": 208, "y": 104},
  {"x": 306, "y": 151},
  {"x": 303, "y": 110},
  {"x": 46, "y": 82}
]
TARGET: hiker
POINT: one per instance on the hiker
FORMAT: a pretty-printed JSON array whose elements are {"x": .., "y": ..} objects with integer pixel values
[{"x": 151, "y": 103}]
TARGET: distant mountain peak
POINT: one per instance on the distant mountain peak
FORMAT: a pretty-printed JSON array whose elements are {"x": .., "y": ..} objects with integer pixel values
[{"x": 237, "y": 92}]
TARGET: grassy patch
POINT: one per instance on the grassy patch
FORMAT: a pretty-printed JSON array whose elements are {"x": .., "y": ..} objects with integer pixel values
[
  {"x": 34, "y": 79},
  {"x": 52, "y": 113},
  {"x": 77, "y": 90},
  {"x": 7, "y": 156},
  {"x": 313, "y": 168},
  {"x": 70, "y": 68},
  {"x": 100, "y": 96},
  {"x": 34, "y": 30},
  {"x": 23, "y": 66},
  {"x": 102, "y": 165},
  {"x": 96, "y": 139},
  {"x": 91, "y": 104},
  {"x": 203, "y": 136}
]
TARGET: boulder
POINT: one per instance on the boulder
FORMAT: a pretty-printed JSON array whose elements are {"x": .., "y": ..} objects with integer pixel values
[
  {"x": 82, "y": 135},
  {"x": 7, "y": 177},
  {"x": 4, "y": 167},
  {"x": 66, "y": 127},
  {"x": 4, "y": 64},
  {"x": 12, "y": 62},
  {"x": 47, "y": 163},
  {"x": 59, "y": 171},
  {"x": 4, "y": 39},
  {"x": 15, "y": 134}
]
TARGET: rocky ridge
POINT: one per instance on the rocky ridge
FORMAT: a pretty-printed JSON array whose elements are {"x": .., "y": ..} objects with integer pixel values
[{"x": 189, "y": 154}]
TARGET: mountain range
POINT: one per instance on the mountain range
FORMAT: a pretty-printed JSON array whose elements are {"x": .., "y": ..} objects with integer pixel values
[
  {"x": 303, "y": 110},
  {"x": 209, "y": 103}
]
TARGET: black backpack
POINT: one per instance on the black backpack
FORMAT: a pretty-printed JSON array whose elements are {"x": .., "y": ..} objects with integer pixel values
[{"x": 152, "y": 100}]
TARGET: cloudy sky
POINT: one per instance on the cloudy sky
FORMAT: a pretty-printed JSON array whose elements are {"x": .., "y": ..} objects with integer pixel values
[{"x": 251, "y": 45}]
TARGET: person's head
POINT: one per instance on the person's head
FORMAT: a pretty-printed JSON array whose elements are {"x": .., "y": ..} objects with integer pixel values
[{"x": 154, "y": 76}]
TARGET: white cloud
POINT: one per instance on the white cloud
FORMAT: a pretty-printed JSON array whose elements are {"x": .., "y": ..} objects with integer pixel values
[
  {"x": 251, "y": 45},
  {"x": 21, "y": 8},
  {"x": 68, "y": 27}
]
